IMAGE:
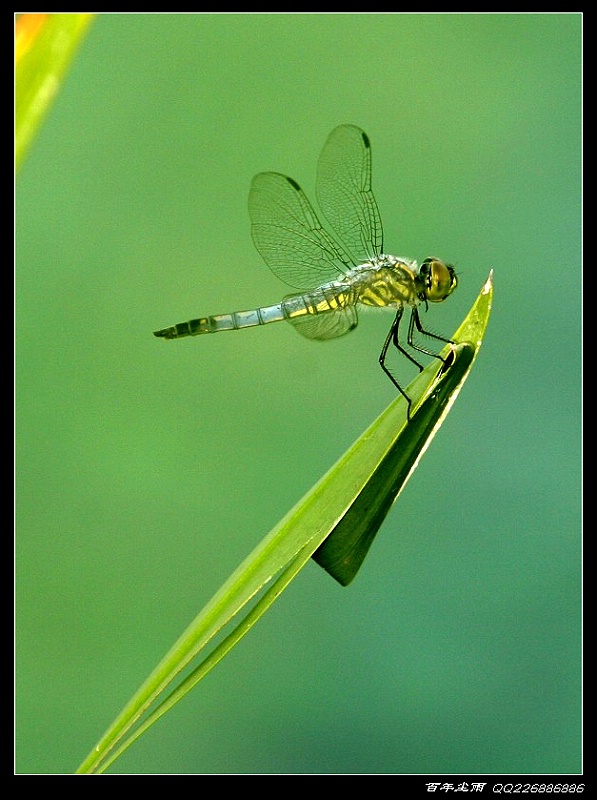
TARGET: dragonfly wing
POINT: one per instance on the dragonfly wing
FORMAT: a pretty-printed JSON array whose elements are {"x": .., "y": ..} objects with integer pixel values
[
  {"x": 289, "y": 236},
  {"x": 344, "y": 191},
  {"x": 330, "y": 325}
]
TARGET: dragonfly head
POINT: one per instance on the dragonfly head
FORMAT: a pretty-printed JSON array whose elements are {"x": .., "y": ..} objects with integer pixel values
[{"x": 437, "y": 280}]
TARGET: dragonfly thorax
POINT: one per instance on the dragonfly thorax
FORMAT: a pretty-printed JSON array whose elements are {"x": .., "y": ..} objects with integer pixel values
[{"x": 386, "y": 281}]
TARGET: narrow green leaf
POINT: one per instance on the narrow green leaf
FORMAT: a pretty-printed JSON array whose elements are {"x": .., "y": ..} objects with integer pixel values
[
  {"x": 348, "y": 505},
  {"x": 343, "y": 552},
  {"x": 44, "y": 47}
]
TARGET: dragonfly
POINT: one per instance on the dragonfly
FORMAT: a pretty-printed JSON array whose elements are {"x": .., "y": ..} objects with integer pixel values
[{"x": 339, "y": 268}]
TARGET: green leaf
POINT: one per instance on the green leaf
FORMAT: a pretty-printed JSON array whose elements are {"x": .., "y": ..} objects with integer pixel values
[
  {"x": 344, "y": 550},
  {"x": 346, "y": 508},
  {"x": 44, "y": 47}
]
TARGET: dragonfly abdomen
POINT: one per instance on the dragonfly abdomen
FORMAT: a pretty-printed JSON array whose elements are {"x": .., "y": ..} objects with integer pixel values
[
  {"x": 224, "y": 322},
  {"x": 292, "y": 308}
]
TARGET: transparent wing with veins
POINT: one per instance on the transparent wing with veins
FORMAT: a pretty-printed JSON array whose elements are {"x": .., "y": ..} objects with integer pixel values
[
  {"x": 295, "y": 245},
  {"x": 344, "y": 192},
  {"x": 289, "y": 236}
]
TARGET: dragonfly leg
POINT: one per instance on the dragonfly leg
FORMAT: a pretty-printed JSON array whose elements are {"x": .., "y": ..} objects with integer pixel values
[
  {"x": 392, "y": 338},
  {"x": 398, "y": 346},
  {"x": 415, "y": 322}
]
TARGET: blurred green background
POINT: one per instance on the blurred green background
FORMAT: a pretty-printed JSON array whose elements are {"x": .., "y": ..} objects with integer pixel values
[{"x": 146, "y": 471}]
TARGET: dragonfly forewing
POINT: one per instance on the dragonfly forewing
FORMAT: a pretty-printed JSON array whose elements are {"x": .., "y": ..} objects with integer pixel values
[
  {"x": 344, "y": 192},
  {"x": 289, "y": 236}
]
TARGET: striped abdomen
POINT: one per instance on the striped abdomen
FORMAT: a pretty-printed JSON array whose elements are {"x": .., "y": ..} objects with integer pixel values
[{"x": 320, "y": 301}]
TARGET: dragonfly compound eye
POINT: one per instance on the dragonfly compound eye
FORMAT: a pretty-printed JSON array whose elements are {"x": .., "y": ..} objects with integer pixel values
[{"x": 440, "y": 279}]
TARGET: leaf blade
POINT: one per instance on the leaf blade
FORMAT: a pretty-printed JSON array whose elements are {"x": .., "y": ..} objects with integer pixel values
[
  {"x": 345, "y": 549},
  {"x": 290, "y": 544},
  {"x": 44, "y": 47}
]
